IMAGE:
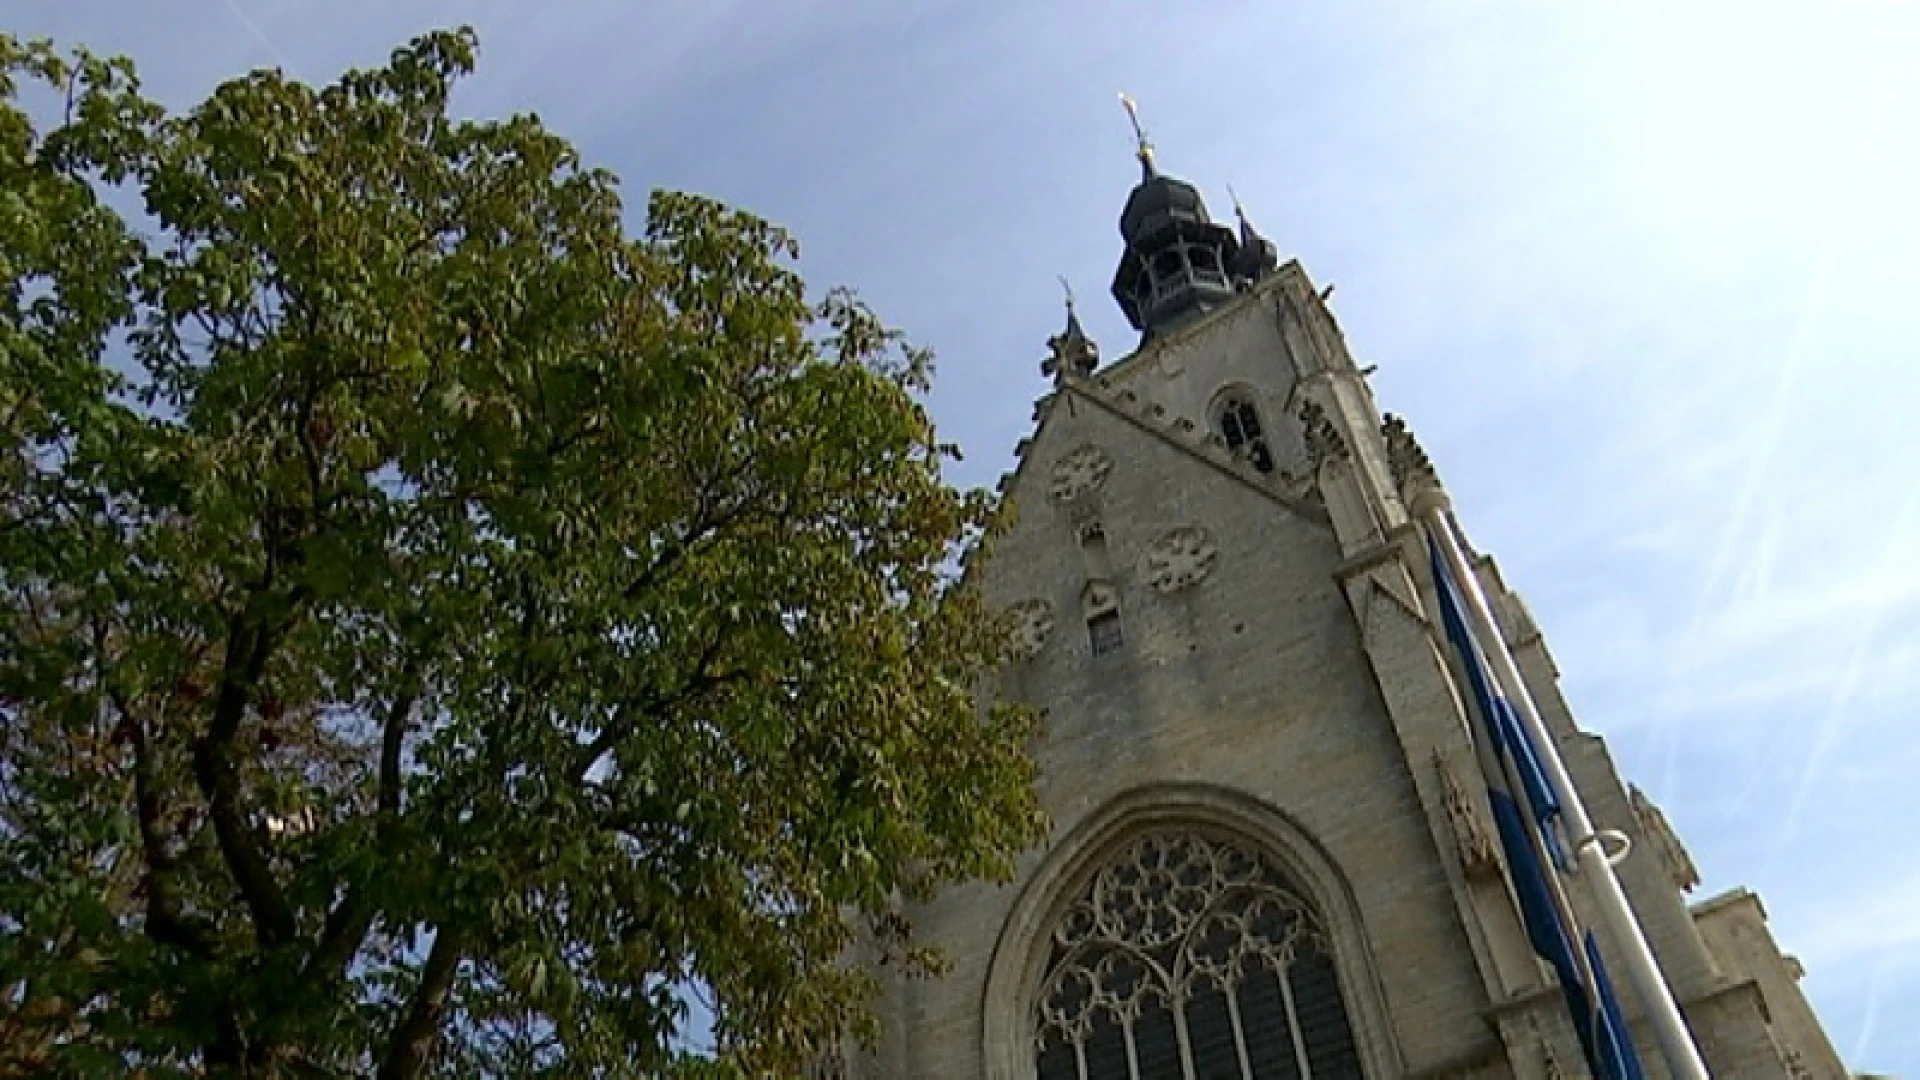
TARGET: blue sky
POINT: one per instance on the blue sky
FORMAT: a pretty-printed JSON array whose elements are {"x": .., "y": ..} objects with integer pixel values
[{"x": 1641, "y": 276}]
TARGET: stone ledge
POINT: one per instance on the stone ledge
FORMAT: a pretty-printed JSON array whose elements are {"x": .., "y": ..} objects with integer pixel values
[{"x": 1389, "y": 549}]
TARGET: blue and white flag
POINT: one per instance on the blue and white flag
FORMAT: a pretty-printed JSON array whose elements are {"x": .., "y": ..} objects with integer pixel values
[{"x": 1524, "y": 835}]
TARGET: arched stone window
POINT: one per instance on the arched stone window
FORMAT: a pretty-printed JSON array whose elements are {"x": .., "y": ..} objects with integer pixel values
[
  {"x": 1191, "y": 955},
  {"x": 1100, "y": 602},
  {"x": 1238, "y": 422}
]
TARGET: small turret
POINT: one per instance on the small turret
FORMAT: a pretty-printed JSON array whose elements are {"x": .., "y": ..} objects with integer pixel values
[
  {"x": 1071, "y": 351},
  {"x": 1258, "y": 256}
]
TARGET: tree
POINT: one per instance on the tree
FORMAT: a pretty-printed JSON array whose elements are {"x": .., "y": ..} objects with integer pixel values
[{"x": 440, "y": 627}]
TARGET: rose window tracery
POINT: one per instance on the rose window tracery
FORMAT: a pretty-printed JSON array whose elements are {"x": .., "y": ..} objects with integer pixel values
[{"x": 1191, "y": 956}]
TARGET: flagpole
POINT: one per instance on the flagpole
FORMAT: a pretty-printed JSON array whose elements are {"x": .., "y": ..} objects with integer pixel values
[
  {"x": 1556, "y": 889},
  {"x": 1431, "y": 506}
]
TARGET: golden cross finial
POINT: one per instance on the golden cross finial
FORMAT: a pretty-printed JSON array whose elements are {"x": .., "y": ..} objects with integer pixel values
[{"x": 1144, "y": 146}]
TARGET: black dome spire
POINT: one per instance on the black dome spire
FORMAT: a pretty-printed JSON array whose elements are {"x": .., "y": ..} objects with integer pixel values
[{"x": 1177, "y": 259}]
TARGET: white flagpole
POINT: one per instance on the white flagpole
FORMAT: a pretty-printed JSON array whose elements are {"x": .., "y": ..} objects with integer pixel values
[
  {"x": 1537, "y": 841},
  {"x": 1656, "y": 997}
]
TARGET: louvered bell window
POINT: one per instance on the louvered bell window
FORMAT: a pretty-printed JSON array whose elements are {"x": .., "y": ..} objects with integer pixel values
[{"x": 1239, "y": 425}]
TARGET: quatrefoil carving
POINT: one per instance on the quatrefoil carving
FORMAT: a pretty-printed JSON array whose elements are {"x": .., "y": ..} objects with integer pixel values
[
  {"x": 1031, "y": 623},
  {"x": 1181, "y": 558},
  {"x": 1081, "y": 470}
]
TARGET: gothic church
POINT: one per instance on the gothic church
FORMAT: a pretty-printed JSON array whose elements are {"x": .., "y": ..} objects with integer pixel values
[{"x": 1270, "y": 856}]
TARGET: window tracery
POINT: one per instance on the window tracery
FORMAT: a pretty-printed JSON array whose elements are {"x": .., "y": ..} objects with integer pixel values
[
  {"x": 1239, "y": 424},
  {"x": 1191, "y": 956}
]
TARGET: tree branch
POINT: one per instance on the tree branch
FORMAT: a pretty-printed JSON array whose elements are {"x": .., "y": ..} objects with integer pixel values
[
  {"x": 709, "y": 518},
  {"x": 626, "y": 719},
  {"x": 252, "y": 635},
  {"x": 393, "y": 738},
  {"x": 414, "y": 1039},
  {"x": 166, "y": 923},
  {"x": 248, "y": 647},
  {"x": 352, "y": 918},
  {"x": 309, "y": 453}
]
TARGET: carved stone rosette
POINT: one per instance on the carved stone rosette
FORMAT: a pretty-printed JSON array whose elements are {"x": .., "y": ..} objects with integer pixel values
[
  {"x": 1181, "y": 558},
  {"x": 1031, "y": 622},
  {"x": 1078, "y": 472}
]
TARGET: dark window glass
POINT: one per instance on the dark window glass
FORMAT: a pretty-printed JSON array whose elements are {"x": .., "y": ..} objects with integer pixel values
[
  {"x": 1156, "y": 1043},
  {"x": 1107, "y": 1049},
  {"x": 1323, "y": 1018},
  {"x": 1239, "y": 425},
  {"x": 1263, "y": 1012},
  {"x": 1057, "y": 1061},
  {"x": 1210, "y": 1033}
]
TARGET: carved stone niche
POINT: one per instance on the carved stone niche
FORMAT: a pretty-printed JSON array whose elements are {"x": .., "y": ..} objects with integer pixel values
[
  {"x": 1179, "y": 559},
  {"x": 1091, "y": 537},
  {"x": 1472, "y": 838},
  {"x": 1031, "y": 623}
]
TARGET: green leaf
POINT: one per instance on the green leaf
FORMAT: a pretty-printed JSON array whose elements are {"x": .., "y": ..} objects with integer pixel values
[{"x": 643, "y": 546}]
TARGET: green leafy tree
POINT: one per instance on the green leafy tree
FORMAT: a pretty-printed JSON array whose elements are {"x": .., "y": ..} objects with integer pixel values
[{"x": 439, "y": 626}]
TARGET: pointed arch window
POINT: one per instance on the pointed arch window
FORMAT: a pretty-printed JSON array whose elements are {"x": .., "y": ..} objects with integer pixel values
[
  {"x": 1100, "y": 602},
  {"x": 1238, "y": 423},
  {"x": 1191, "y": 956}
]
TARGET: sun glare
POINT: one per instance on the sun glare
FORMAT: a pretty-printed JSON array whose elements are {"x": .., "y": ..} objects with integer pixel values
[{"x": 1800, "y": 118}]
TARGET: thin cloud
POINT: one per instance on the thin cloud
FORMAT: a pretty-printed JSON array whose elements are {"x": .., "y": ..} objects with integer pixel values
[
  {"x": 1900, "y": 547},
  {"x": 254, "y": 31},
  {"x": 1881, "y": 921}
]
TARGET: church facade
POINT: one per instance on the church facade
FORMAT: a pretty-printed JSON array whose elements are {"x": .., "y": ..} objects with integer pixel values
[{"x": 1272, "y": 854}]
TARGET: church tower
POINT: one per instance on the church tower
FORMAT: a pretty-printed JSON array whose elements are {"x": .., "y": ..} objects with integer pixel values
[{"x": 1273, "y": 852}]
